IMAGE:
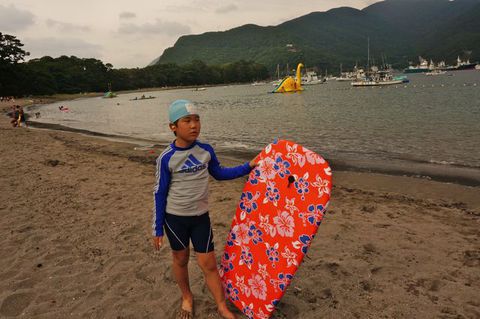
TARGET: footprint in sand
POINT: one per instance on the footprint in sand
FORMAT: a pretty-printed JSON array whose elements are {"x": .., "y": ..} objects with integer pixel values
[
  {"x": 286, "y": 310},
  {"x": 15, "y": 304}
]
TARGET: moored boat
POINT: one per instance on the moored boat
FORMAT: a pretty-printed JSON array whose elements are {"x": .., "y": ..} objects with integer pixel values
[
  {"x": 376, "y": 82},
  {"x": 109, "y": 95},
  {"x": 461, "y": 65},
  {"x": 311, "y": 78},
  {"x": 378, "y": 78},
  {"x": 420, "y": 68},
  {"x": 436, "y": 72}
]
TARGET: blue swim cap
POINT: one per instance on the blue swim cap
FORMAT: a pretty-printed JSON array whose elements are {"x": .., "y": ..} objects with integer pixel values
[{"x": 181, "y": 108}]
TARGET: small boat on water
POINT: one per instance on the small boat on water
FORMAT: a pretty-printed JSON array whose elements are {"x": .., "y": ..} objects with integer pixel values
[
  {"x": 375, "y": 83},
  {"x": 420, "y": 68},
  {"x": 349, "y": 76},
  {"x": 402, "y": 78},
  {"x": 461, "y": 65},
  {"x": 143, "y": 97},
  {"x": 109, "y": 95},
  {"x": 436, "y": 72},
  {"x": 311, "y": 78},
  {"x": 377, "y": 78},
  {"x": 432, "y": 69},
  {"x": 346, "y": 77}
]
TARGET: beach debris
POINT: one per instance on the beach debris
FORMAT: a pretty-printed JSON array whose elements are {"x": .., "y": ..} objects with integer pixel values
[
  {"x": 52, "y": 162},
  {"x": 368, "y": 208}
]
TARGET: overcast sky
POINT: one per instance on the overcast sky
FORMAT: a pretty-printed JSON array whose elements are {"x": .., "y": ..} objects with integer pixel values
[{"x": 133, "y": 33}]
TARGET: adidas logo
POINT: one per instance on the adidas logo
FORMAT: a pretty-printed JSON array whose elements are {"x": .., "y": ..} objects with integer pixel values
[{"x": 192, "y": 165}]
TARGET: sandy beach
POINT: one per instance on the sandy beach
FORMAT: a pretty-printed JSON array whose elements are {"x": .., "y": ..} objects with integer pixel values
[{"x": 76, "y": 239}]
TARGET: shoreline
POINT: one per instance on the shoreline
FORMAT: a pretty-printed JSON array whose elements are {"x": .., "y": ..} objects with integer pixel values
[{"x": 465, "y": 176}]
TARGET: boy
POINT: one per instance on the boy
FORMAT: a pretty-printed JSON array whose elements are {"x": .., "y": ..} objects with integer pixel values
[{"x": 181, "y": 203}]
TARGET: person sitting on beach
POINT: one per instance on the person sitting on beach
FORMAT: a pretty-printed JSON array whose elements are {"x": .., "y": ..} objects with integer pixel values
[{"x": 181, "y": 203}]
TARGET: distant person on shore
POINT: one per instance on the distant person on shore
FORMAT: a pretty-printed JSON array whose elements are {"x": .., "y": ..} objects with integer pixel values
[
  {"x": 15, "y": 113},
  {"x": 18, "y": 116},
  {"x": 22, "y": 121},
  {"x": 181, "y": 203}
]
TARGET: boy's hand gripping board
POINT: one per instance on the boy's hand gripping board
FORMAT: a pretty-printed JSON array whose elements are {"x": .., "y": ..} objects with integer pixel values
[{"x": 281, "y": 207}]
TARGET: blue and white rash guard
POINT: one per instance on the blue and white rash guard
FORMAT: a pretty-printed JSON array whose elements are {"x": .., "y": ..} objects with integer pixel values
[{"x": 181, "y": 186}]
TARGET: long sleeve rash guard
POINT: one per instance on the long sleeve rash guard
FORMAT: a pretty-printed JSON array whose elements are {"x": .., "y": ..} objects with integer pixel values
[{"x": 181, "y": 186}]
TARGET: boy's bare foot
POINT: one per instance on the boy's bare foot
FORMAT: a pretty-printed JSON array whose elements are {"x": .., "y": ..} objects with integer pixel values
[
  {"x": 184, "y": 314},
  {"x": 186, "y": 310},
  {"x": 226, "y": 313}
]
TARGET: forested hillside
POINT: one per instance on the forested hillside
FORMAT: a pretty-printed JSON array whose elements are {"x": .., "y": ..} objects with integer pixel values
[{"x": 399, "y": 31}]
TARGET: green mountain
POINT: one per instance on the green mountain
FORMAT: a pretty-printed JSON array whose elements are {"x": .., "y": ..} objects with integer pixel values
[{"x": 399, "y": 31}]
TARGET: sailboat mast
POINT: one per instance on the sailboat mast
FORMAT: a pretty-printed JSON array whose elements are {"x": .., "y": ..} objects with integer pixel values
[{"x": 368, "y": 54}]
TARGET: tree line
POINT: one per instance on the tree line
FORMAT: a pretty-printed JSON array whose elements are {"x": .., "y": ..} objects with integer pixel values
[{"x": 70, "y": 74}]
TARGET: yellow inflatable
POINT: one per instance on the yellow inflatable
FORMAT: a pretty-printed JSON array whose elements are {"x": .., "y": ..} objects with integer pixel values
[{"x": 290, "y": 84}]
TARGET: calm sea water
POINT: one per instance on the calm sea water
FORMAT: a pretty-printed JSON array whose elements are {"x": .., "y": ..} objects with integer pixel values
[{"x": 429, "y": 127}]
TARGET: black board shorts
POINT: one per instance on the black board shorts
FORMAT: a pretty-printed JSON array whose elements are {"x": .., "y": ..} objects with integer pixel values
[{"x": 181, "y": 229}]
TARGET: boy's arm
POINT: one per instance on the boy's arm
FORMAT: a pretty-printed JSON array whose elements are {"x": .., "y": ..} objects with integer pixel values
[
  {"x": 163, "y": 177},
  {"x": 223, "y": 173}
]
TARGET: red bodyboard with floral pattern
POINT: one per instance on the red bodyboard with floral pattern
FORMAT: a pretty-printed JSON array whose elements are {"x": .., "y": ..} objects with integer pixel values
[{"x": 281, "y": 207}]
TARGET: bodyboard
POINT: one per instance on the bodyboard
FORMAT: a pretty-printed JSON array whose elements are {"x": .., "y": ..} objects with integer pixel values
[{"x": 281, "y": 206}]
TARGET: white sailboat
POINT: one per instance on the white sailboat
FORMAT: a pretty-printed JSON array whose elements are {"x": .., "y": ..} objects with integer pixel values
[{"x": 278, "y": 80}]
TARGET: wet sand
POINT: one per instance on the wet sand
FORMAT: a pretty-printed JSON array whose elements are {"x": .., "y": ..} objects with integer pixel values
[{"x": 75, "y": 239}]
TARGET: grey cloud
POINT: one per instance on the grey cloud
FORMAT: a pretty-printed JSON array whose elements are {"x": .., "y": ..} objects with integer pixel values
[
  {"x": 13, "y": 19},
  {"x": 184, "y": 8},
  {"x": 127, "y": 15},
  {"x": 65, "y": 26},
  {"x": 226, "y": 9},
  {"x": 159, "y": 27},
  {"x": 55, "y": 47}
]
